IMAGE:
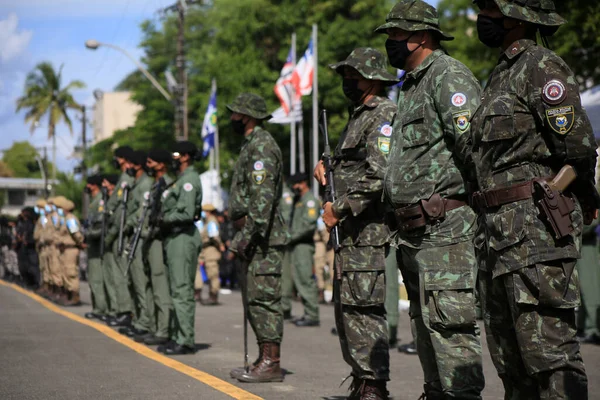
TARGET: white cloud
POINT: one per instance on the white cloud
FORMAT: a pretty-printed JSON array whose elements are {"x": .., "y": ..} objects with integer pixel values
[{"x": 12, "y": 42}]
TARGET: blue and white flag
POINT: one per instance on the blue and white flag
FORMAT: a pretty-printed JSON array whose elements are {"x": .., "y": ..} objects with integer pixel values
[{"x": 209, "y": 126}]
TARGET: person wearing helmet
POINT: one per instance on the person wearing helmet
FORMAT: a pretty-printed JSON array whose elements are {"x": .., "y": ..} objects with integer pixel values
[
  {"x": 254, "y": 205},
  {"x": 359, "y": 164},
  {"x": 529, "y": 126},
  {"x": 426, "y": 189}
]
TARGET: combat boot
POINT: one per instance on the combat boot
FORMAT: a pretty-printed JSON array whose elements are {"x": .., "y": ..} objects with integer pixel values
[
  {"x": 198, "y": 295},
  {"x": 42, "y": 290},
  {"x": 368, "y": 389},
  {"x": 61, "y": 295},
  {"x": 237, "y": 372},
  {"x": 322, "y": 296},
  {"x": 213, "y": 300},
  {"x": 72, "y": 300},
  {"x": 268, "y": 369}
]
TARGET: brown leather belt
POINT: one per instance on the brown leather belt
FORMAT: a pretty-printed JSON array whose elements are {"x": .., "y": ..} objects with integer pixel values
[
  {"x": 417, "y": 215},
  {"x": 499, "y": 197}
]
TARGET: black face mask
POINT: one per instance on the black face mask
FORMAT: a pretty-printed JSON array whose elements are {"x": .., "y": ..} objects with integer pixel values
[
  {"x": 87, "y": 190},
  {"x": 351, "y": 90},
  {"x": 398, "y": 52},
  {"x": 491, "y": 31},
  {"x": 115, "y": 163},
  {"x": 131, "y": 171},
  {"x": 238, "y": 126},
  {"x": 151, "y": 172},
  {"x": 297, "y": 192},
  {"x": 175, "y": 164}
]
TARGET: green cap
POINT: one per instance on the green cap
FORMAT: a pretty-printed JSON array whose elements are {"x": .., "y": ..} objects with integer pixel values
[
  {"x": 412, "y": 16},
  {"x": 370, "y": 63},
  {"x": 540, "y": 12},
  {"x": 251, "y": 105}
]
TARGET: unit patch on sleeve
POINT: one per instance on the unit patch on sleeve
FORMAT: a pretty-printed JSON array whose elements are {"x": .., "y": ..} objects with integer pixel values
[
  {"x": 386, "y": 130},
  {"x": 561, "y": 119},
  {"x": 259, "y": 166},
  {"x": 72, "y": 226},
  {"x": 188, "y": 187},
  {"x": 384, "y": 144},
  {"x": 459, "y": 99},
  {"x": 554, "y": 92},
  {"x": 461, "y": 120}
]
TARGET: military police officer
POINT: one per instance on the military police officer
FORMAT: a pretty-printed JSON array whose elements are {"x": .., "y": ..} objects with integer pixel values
[
  {"x": 181, "y": 206},
  {"x": 529, "y": 126},
  {"x": 255, "y": 194},
  {"x": 425, "y": 187},
  {"x": 359, "y": 167}
]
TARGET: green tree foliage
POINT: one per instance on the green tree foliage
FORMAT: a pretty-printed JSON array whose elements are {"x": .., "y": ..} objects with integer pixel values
[
  {"x": 20, "y": 161},
  {"x": 5, "y": 171},
  {"x": 72, "y": 189},
  {"x": 244, "y": 44}
]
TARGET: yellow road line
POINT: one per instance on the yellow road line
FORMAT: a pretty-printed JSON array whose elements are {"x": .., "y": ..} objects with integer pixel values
[{"x": 203, "y": 377}]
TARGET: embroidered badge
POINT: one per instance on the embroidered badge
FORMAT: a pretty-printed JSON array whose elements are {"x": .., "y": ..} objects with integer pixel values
[
  {"x": 554, "y": 92},
  {"x": 259, "y": 166},
  {"x": 188, "y": 187},
  {"x": 120, "y": 193},
  {"x": 146, "y": 195},
  {"x": 312, "y": 212},
  {"x": 384, "y": 144},
  {"x": 123, "y": 185},
  {"x": 165, "y": 194},
  {"x": 561, "y": 119},
  {"x": 310, "y": 203},
  {"x": 459, "y": 99},
  {"x": 386, "y": 130},
  {"x": 461, "y": 120},
  {"x": 259, "y": 177}
]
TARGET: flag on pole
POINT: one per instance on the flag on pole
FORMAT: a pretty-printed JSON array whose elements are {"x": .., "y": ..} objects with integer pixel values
[
  {"x": 209, "y": 126},
  {"x": 284, "y": 89},
  {"x": 279, "y": 116},
  {"x": 304, "y": 72}
]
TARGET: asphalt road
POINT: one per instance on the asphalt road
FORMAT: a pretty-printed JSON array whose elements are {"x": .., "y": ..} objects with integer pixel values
[{"x": 45, "y": 355}]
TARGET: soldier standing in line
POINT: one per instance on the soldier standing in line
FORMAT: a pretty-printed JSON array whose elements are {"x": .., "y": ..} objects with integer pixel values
[
  {"x": 52, "y": 239},
  {"x": 302, "y": 230},
  {"x": 140, "y": 283},
  {"x": 256, "y": 191},
  {"x": 152, "y": 250},
  {"x": 40, "y": 247},
  {"x": 109, "y": 182},
  {"x": 426, "y": 187},
  {"x": 359, "y": 164},
  {"x": 181, "y": 206},
  {"x": 531, "y": 125},
  {"x": 320, "y": 238},
  {"x": 212, "y": 248},
  {"x": 286, "y": 206},
  {"x": 116, "y": 282},
  {"x": 69, "y": 241},
  {"x": 100, "y": 308}
]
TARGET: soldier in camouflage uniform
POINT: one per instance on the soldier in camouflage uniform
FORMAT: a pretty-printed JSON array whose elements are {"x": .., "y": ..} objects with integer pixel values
[
  {"x": 359, "y": 166},
  {"x": 531, "y": 124},
  {"x": 286, "y": 204},
  {"x": 425, "y": 187},
  {"x": 256, "y": 191}
]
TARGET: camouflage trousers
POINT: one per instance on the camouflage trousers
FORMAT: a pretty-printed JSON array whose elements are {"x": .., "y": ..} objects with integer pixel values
[
  {"x": 529, "y": 317},
  {"x": 360, "y": 312},
  {"x": 440, "y": 283},
  {"x": 264, "y": 296}
]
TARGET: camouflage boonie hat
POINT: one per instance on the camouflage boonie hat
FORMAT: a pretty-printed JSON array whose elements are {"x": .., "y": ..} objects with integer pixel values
[
  {"x": 251, "y": 105},
  {"x": 412, "y": 16},
  {"x": 370, "y": 63},
  {"x": 540, "y": 12}
]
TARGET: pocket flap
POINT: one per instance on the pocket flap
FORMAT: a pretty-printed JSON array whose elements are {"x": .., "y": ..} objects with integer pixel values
[
  {"x": 414, "y": 133},
  {"x": 500, "y": 120},
  {"x": 507, "y": 228},
  {"x": 449, "y": 280}
]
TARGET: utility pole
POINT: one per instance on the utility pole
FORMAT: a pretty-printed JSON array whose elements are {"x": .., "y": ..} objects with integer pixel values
[
  {"x": 86, "y": 198},
  {"x": 45, "y": 171}
]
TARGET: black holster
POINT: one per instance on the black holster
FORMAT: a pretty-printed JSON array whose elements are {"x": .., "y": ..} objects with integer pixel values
[{"x": 554, "y": 207}]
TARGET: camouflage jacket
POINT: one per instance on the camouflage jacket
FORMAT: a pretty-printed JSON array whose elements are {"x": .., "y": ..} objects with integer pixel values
[
  {"x": 359, "y": 165},
  {"x": 256, "y": 190},
  {"x": 529, "y": 125},
  {"x": 430, "y": 146},
  {"x": 304, "y": 223}
]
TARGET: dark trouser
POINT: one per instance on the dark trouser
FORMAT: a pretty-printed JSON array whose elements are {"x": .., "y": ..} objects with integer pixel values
[
  {"x": 28, "y": 266},
  {"x": 529, "y": 316}
]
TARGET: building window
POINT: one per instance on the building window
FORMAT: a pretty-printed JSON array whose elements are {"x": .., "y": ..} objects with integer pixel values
[{"x": 16, "y": 197}]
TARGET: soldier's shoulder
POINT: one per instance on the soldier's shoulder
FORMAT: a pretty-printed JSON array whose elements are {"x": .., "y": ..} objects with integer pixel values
[
  {"x": 385, "y": 106},
  {"x": 265, "y": 143},
  {"x": 448, "y": 66},
  {"x": 538, "y": 60}
]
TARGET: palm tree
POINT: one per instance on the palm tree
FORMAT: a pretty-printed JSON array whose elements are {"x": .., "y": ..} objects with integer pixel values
[{"x": 43, "y": 96}]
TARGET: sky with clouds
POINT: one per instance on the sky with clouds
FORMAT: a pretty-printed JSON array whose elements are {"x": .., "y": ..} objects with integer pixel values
[{"x": 32, "y": 31}]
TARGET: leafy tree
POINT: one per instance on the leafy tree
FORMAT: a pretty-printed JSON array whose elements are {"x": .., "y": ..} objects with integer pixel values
[
  {"x": 5, "y": 171},
  {"x": 72, "y": 189},
  {"x": 21, "y": 160},
  {"x": 45, "y": 97}
]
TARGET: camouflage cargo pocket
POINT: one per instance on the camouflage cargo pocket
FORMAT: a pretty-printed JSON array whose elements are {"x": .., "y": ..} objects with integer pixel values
[
  {"x": 363, "y": 288},
  {"x": 269, "y": 263},
  {"x": 507, "y": 228},
  {"x": 552, "y": 284},
  {"x": 450, "y": 297}
]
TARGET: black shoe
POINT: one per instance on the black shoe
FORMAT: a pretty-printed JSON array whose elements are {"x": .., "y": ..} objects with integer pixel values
[
  {"x": 142, "y": 337},
  {"x": 91, "y": 315},
  {"x": 178, "y": 349},
  {"x": 163, "y": 347},
  {"x": 155, "y": 340},
  {"x": 124, "y": 330},
  {"x": 307, "y": 322},
  {"x": 121, "y": 320},
  {"x": 287, "y": 315},
  {"x": 334, "y": 331},
  {"x": 408, "y": 348},
  {"x": 593, "y": 338},
  {"x": 296, "y": 319}
]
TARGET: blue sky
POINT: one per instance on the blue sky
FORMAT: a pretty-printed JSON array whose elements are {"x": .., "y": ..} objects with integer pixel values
[{"x": 32, "y": 31}]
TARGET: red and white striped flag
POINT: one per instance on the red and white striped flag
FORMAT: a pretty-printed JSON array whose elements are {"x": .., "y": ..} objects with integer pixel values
[{"x": 284, "y": 88}]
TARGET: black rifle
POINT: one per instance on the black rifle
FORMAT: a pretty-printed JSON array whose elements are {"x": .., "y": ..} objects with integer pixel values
[
  {"x": 123, "y": 219},
  {"x": 103, "y": 225},
  {"x": 330, "y": 186}
]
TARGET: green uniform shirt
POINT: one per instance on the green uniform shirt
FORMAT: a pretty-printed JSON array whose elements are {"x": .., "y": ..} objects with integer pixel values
[
  {"x": 304, "y": 223},
  {"x": 139, "y": 197},
  {"x": 152, "y": 218},
  {"x": 95, "y": 211},
  {"x": 286, "y": 204},
  {"x": 430, "y": 146},
  {"x": 115, "y": 207},
  {"x": 256, "y": 190},
  {"x": 182, "y": 201}
]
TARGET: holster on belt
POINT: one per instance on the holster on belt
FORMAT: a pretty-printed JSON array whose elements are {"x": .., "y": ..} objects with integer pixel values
[
  {"x": 426, "y": 211},
  {"x": 555, "y": 207}
]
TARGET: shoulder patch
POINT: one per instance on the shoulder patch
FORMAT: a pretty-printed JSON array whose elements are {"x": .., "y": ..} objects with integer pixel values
[
  {"x": 123, "y": 185},
  {"x": 312, "y": 212},
  {"x": 386, "y": 129},
  {"x": 554, "y": 92},
  {"x": 383, "y": 143},
  {"x": 146, "y": 195},
  {"x": 459, "y": 99},
  {"x": 165, "y": 194},
  {"x": 72, "y": 225},
  {"x": 259, "y": 176},
  {"x": 310, "y": 203},
  {"x": 461, "y": 120},
  {"x": 188, "y": 187},
  {"x": 259, "y": 166},
  {"x": 561, "y": 119}
]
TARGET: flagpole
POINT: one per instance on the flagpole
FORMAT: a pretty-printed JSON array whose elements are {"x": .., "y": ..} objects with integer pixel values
[
  {"x": 315, "y": 111},
  {"x": 293, "y": 123},
  {"x": 216, "y": 148},
  {"x": 301, "y": 144}
]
